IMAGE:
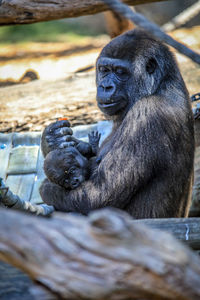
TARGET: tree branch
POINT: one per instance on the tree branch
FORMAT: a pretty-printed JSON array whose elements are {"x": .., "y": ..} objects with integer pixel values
[
  {"x": 104, "y": 256},
  {"x": 152, "y": 28},
  {"x": 25, "y": 12}
]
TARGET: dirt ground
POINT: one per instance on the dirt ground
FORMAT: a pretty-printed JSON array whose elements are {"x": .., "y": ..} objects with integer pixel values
[{"x": 61, "y": 81}]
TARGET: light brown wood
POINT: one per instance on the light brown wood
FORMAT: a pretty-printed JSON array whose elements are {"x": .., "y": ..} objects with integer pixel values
[
  {"x": 24, "y": 12},
  {"x": 116, "y": 24},
  {"x": 104, "y": 256}
]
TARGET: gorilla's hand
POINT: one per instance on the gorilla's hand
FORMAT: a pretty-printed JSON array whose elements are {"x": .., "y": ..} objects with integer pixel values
[{"x": 57, "y": 135}]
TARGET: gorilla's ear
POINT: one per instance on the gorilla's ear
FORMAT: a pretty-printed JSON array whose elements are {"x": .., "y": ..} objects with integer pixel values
[{"x": 151, "y": 65}]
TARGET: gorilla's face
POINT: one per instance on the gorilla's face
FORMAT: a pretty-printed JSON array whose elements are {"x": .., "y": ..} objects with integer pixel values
[
  {"x": 112, "y": 78},
  {"x": 66, "y": 167},
  {"x": 130, "y": 67},
  {"x": 73, "y": 177},
  {"x": 121, "y": 83}
]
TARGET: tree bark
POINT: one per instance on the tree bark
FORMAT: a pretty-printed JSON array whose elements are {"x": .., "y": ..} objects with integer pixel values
[
  {"x": 25, "y": 12},
  {"x": 104, "y": 256},
  {"x": 116, "y": 24}
]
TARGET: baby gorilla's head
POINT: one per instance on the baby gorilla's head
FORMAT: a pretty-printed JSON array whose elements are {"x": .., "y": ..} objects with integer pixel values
[{"x": 66, "y": 167}]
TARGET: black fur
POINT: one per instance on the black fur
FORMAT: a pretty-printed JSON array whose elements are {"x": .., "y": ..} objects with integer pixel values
[{"x": 146, "y": 164}]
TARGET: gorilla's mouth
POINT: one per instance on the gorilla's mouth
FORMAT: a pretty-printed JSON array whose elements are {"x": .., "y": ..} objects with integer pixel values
[
  {"x": 112, "y": 108},
  {"x": 107, "y": 105},
  {"x": 74, "y": 184}
]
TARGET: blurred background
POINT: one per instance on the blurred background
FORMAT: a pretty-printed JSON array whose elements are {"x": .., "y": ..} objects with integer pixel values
[{"x": 47, "y": 68}]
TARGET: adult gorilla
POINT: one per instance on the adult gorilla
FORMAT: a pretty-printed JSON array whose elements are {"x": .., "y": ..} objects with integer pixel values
[{"x": 146, "y": 164}]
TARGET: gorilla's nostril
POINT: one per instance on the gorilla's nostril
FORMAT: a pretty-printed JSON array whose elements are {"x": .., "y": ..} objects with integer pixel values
[{"x": 108, "y": 88}]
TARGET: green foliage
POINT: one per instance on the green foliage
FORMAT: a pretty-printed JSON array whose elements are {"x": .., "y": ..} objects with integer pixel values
[{"x": 52, "y": 31}]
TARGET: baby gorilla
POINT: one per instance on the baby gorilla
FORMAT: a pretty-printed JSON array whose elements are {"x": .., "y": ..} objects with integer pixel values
[{"x": 68, "y": 167}]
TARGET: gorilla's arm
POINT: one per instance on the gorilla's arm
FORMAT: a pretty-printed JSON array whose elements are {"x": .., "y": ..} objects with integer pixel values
[{"x": 136, "y": 159}]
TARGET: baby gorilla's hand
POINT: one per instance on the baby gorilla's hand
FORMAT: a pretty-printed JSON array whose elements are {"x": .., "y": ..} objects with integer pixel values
[
  {"x": 57, "y": 135},
  {"x": 94, "y": 138}
]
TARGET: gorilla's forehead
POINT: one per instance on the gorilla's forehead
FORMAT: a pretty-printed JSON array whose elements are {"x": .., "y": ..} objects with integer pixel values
[
  {"x": 128, "y": 45},
  {"x": 81, "y": 161},
  {"x": 113, "y": 62}
]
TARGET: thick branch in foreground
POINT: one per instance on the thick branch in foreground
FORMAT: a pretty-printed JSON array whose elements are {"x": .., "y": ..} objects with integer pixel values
[
  {"x": 138, "y": 19},
  {"x": 103, "y": 256},
  {"x": 24, "y": 12}
]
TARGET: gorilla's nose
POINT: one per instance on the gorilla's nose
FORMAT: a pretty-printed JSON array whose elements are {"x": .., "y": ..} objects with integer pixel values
[
  {"x": 75, "y": 180},
  {"x": 105, "y": 90},
  {"x": 107, "y": 86}
]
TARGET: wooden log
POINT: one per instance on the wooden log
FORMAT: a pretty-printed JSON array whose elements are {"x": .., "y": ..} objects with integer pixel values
[
  {"x": 103, "y": 256},
  {"x": 24, "y": 12},
  {"x": 16, "y": 285},
  {"x": 186, "y": 230}
]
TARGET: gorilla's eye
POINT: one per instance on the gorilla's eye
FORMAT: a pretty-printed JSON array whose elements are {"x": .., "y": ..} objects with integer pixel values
[
  {"x": 120, "y": 71},
  {"x": 72, "y": 170},
  {"x": 103, "y": 69},
  {"x": 151, "y": 65}
]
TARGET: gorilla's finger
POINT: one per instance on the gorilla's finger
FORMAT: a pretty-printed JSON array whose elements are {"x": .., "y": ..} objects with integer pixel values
[
  {"x": 50, "y": 144},
  {"x": 66, "y": 145},
  {"x": 62, "y": 123},
  {"x": 59, "y": 139},
  {"x": 65, "y": 138},
  {"x": 63, "y": 131},
  {"x": 91, "y": 134},
  {"x": 62, "y": 139},
  {"x": 71, "y": 139},
  {"x": 56, "y": 125},
  {"x": 70, "y": 144},
  {"x": 48, "y": 138}
]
